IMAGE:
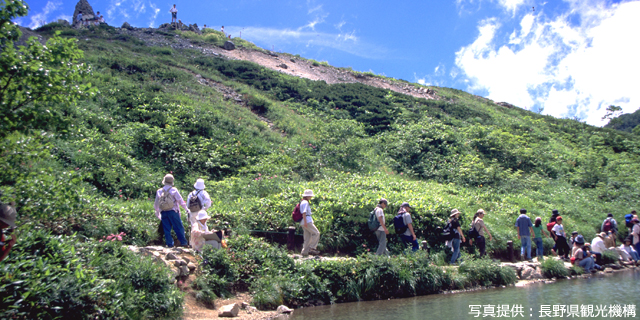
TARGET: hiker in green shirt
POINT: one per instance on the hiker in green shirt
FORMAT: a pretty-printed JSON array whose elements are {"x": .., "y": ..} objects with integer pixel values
[{"x": 538, "y": 232}]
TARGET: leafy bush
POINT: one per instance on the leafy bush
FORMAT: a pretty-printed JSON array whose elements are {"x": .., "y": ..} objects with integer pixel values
[
  {"x": 47, "y": 277},
  {"x": 486, "y": 273},
  {"x": 554, "y": 268}
]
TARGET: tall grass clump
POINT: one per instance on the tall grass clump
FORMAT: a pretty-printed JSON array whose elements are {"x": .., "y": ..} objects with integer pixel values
[{"x": 554, "y": 268}]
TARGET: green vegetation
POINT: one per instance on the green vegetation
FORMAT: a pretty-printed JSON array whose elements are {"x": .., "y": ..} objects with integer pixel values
[
  {"x": 84, "y": 162},
  {"x": 625, "y": 122},
  {"x": 553, "y": 268}
]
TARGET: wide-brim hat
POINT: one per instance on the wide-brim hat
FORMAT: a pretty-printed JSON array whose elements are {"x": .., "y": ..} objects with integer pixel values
[
  {"x": 454, "y": 212},
  {"x": 601, "y": 235},
  {"x": 579, "y": 239},
  {"x": 481, "y": 211},
  {"x": 405, "y": 204},
  {"x": 168, "y": 179},
  {"x": 199, "y": 184},
  {"x": 202, "y": 215},
  {"x": 8, "y": 215},
  {"x": 308, "y": 193}
]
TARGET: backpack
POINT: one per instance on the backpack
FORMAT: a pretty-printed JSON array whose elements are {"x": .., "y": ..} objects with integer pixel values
[
  {"x": 473, "y": 233},
  {"x": 398, "y": 223},
  {"x": 166, "y": 201},
  {"x": 373, "y": 222},
  {"x": 607, "y": 225},
  {"x": 447, "y": 233},
  {"x": 296, "y": 215},
  {"x": 550, "y": 226},
  {"x": 195, "y": 204},
  {"x": 627, "y": 220}
]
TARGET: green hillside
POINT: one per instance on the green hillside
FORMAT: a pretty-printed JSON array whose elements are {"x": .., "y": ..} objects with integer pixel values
[
  {"x": 625, "y": 122},
  {"x": 84, "y": 168}
]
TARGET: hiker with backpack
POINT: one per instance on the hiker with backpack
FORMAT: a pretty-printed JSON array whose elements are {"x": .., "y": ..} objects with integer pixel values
[
  {"x": 404, "y": 226},
  {"x": 311, "y": 233},
  {"x": 453, "y": 228},
  {"x": 552, "y": 222},
  {"x": 166, "y": 205},
  {"x": 628, "y": 218},
  {"x": 610, "y": 226},
  {"x": 635, "y": 232},
  {"x": 197, "y": 200},
  {"x": 525, "y": 230},
  {"x": 477, "y": 232},
  {"x": 377, "y": 225}
]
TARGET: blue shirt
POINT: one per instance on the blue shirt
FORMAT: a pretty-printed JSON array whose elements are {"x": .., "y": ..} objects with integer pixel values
[{"x": 524, "y": 222}]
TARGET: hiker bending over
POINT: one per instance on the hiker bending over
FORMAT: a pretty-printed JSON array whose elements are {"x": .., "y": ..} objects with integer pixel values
[
  {"x": 166, "y": 205},
  {"x": 200, "y": 234},
  {"x": 197, "y": 200},
  {"x": 524, "y": 226},
  {"x": 382, "y": 231},
  {"x": 610, "y": 226},
  {"x": 404, "y": 226},
  {"x": 480, "y": 228},
  {"x": 311, "y": 233}
]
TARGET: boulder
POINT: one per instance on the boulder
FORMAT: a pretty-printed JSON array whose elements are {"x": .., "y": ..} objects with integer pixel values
[
  {"x": 284, "y": 309},
  {"x": 187, "y": 260},
  {"x": 538, "y": 274},
  {"x": 178, "y": 263},
  {"x": 527, "y": 273},
  {"x": 228, "y": 45},
  {"x": 283, "y": 66},
  {"x": 194, "y": 28},
  {"x": 191, "y": 266},
  {"x": 171, "y": 256},
  {"x": 63, "y": 22},
  {"x": 127, "y": 26},
  {"x": 244, "y": 305},
  {"x": 175, "y": 272},
  {"x": 251, "y": 310},
  {"x": 84, "y": 7},
  {"x": 608, "y": 270},
  {"x": 165, "y": 26},
  {"x": 184, "y": 271},
  {"x": 230, "y": 310}
]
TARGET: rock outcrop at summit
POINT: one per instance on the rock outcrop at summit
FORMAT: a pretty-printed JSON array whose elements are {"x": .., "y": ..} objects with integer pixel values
[{"x": 86, "y": 9}]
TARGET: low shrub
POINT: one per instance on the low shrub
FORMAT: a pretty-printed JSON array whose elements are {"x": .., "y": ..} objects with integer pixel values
[
  {"x": 610, "y": 256},
  {"x": 52, "y": 277},
  {"x": 484, "y": 272},
  {"x": 554, "y": 268}
]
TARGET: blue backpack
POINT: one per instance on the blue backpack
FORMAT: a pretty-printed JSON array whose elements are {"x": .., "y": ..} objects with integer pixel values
[
  {"x": 398, "y": 224},
  {"x": 627, "y": 220}
]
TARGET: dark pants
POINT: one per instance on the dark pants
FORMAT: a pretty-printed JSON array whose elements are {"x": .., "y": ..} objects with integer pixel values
[
  {"x": 171, "y": 219},
  {"x": 598, "y": 257},
  {"x": 562, "y": 246},
  {"x": 482, "y": 245},
  {"x": 408, "y": 240}
]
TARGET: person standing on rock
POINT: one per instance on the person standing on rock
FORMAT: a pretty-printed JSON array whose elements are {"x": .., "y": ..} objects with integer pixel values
[
  {"x": 560, "y": 236},
  {"x": 174, "y": 14},
  {"x": 382, "y": 231},
  {"x": 79, "y": 18},
  {"x": 525, "y": 230},
  {"x": 166, "y": 206},
  {"x": 197, "y": 200},
  {"x": 311, "y": 233}
]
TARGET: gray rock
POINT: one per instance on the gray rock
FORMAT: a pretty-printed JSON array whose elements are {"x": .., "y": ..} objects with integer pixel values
[
  {"x": 178, "y": 263},
  {"x": 228, "y": 45},
  {"x": 191, "y": 266},
  {"x": 244, "y": 305},
  {"x": 175, "y": 272},
  {"x": 292, "y": 60},
  {"x": 281, "y": 317},
  {"x": 538, "y": 274},
  {"x": 608, "y": 270},
  {"x": 251, "y": 310},
  {"x": 63, "y": 22},
  {"x": 527, "y": 273},
  {"x": 171, "y": 256},
  {"x": 284, "y": 309},
  {"x": 177, "y": 249},
  {"x": 184, "y": 271},
  {"x": 86, "y": 9},
  {"x": 187, "y": 260},
  {"x": 194, "y": 28},
  {"x": 165, "y": 26},
  {"x": 127, "y": 26},
  {"x": 283, "y": 66},
  {"x": 230, "y": 310}
]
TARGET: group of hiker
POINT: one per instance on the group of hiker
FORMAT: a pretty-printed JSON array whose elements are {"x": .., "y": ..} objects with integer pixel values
[
  {"x": 168, "y": 202},
  {"x": 88, "y": 19},
  {"x": 175, "y": 20},
  {"x": 167, "y": 208},
  {"x": 575, "y": 249}
]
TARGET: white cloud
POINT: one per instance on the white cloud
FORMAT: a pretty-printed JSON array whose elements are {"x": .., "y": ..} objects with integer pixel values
[
  {"x": 156, "y": 10},
  {"x": 569, "y": 69},
  {"x": 510, "y": 6},
  {"x": 347, "y": 42},
  {"x": 40, "y": 19}
]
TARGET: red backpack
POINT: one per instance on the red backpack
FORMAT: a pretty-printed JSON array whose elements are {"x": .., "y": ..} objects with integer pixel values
[
  {"x": 550, "y": 226},
  {"x": 296, "y": 215},
  {"x": 607, "y": 225}
]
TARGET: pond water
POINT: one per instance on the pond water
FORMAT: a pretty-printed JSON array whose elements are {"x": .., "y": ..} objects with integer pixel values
[{"x": 617, "y": 295}]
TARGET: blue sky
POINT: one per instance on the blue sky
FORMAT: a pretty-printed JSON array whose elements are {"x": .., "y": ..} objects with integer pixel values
[{"x": 566, "y": 58}]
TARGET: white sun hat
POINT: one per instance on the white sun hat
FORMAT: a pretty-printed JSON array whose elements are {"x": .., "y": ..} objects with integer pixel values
[
  {"x": 308, "y": 193},
  {"x": 202, "y": 215},
  {"x": 199, "y": 184}
]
